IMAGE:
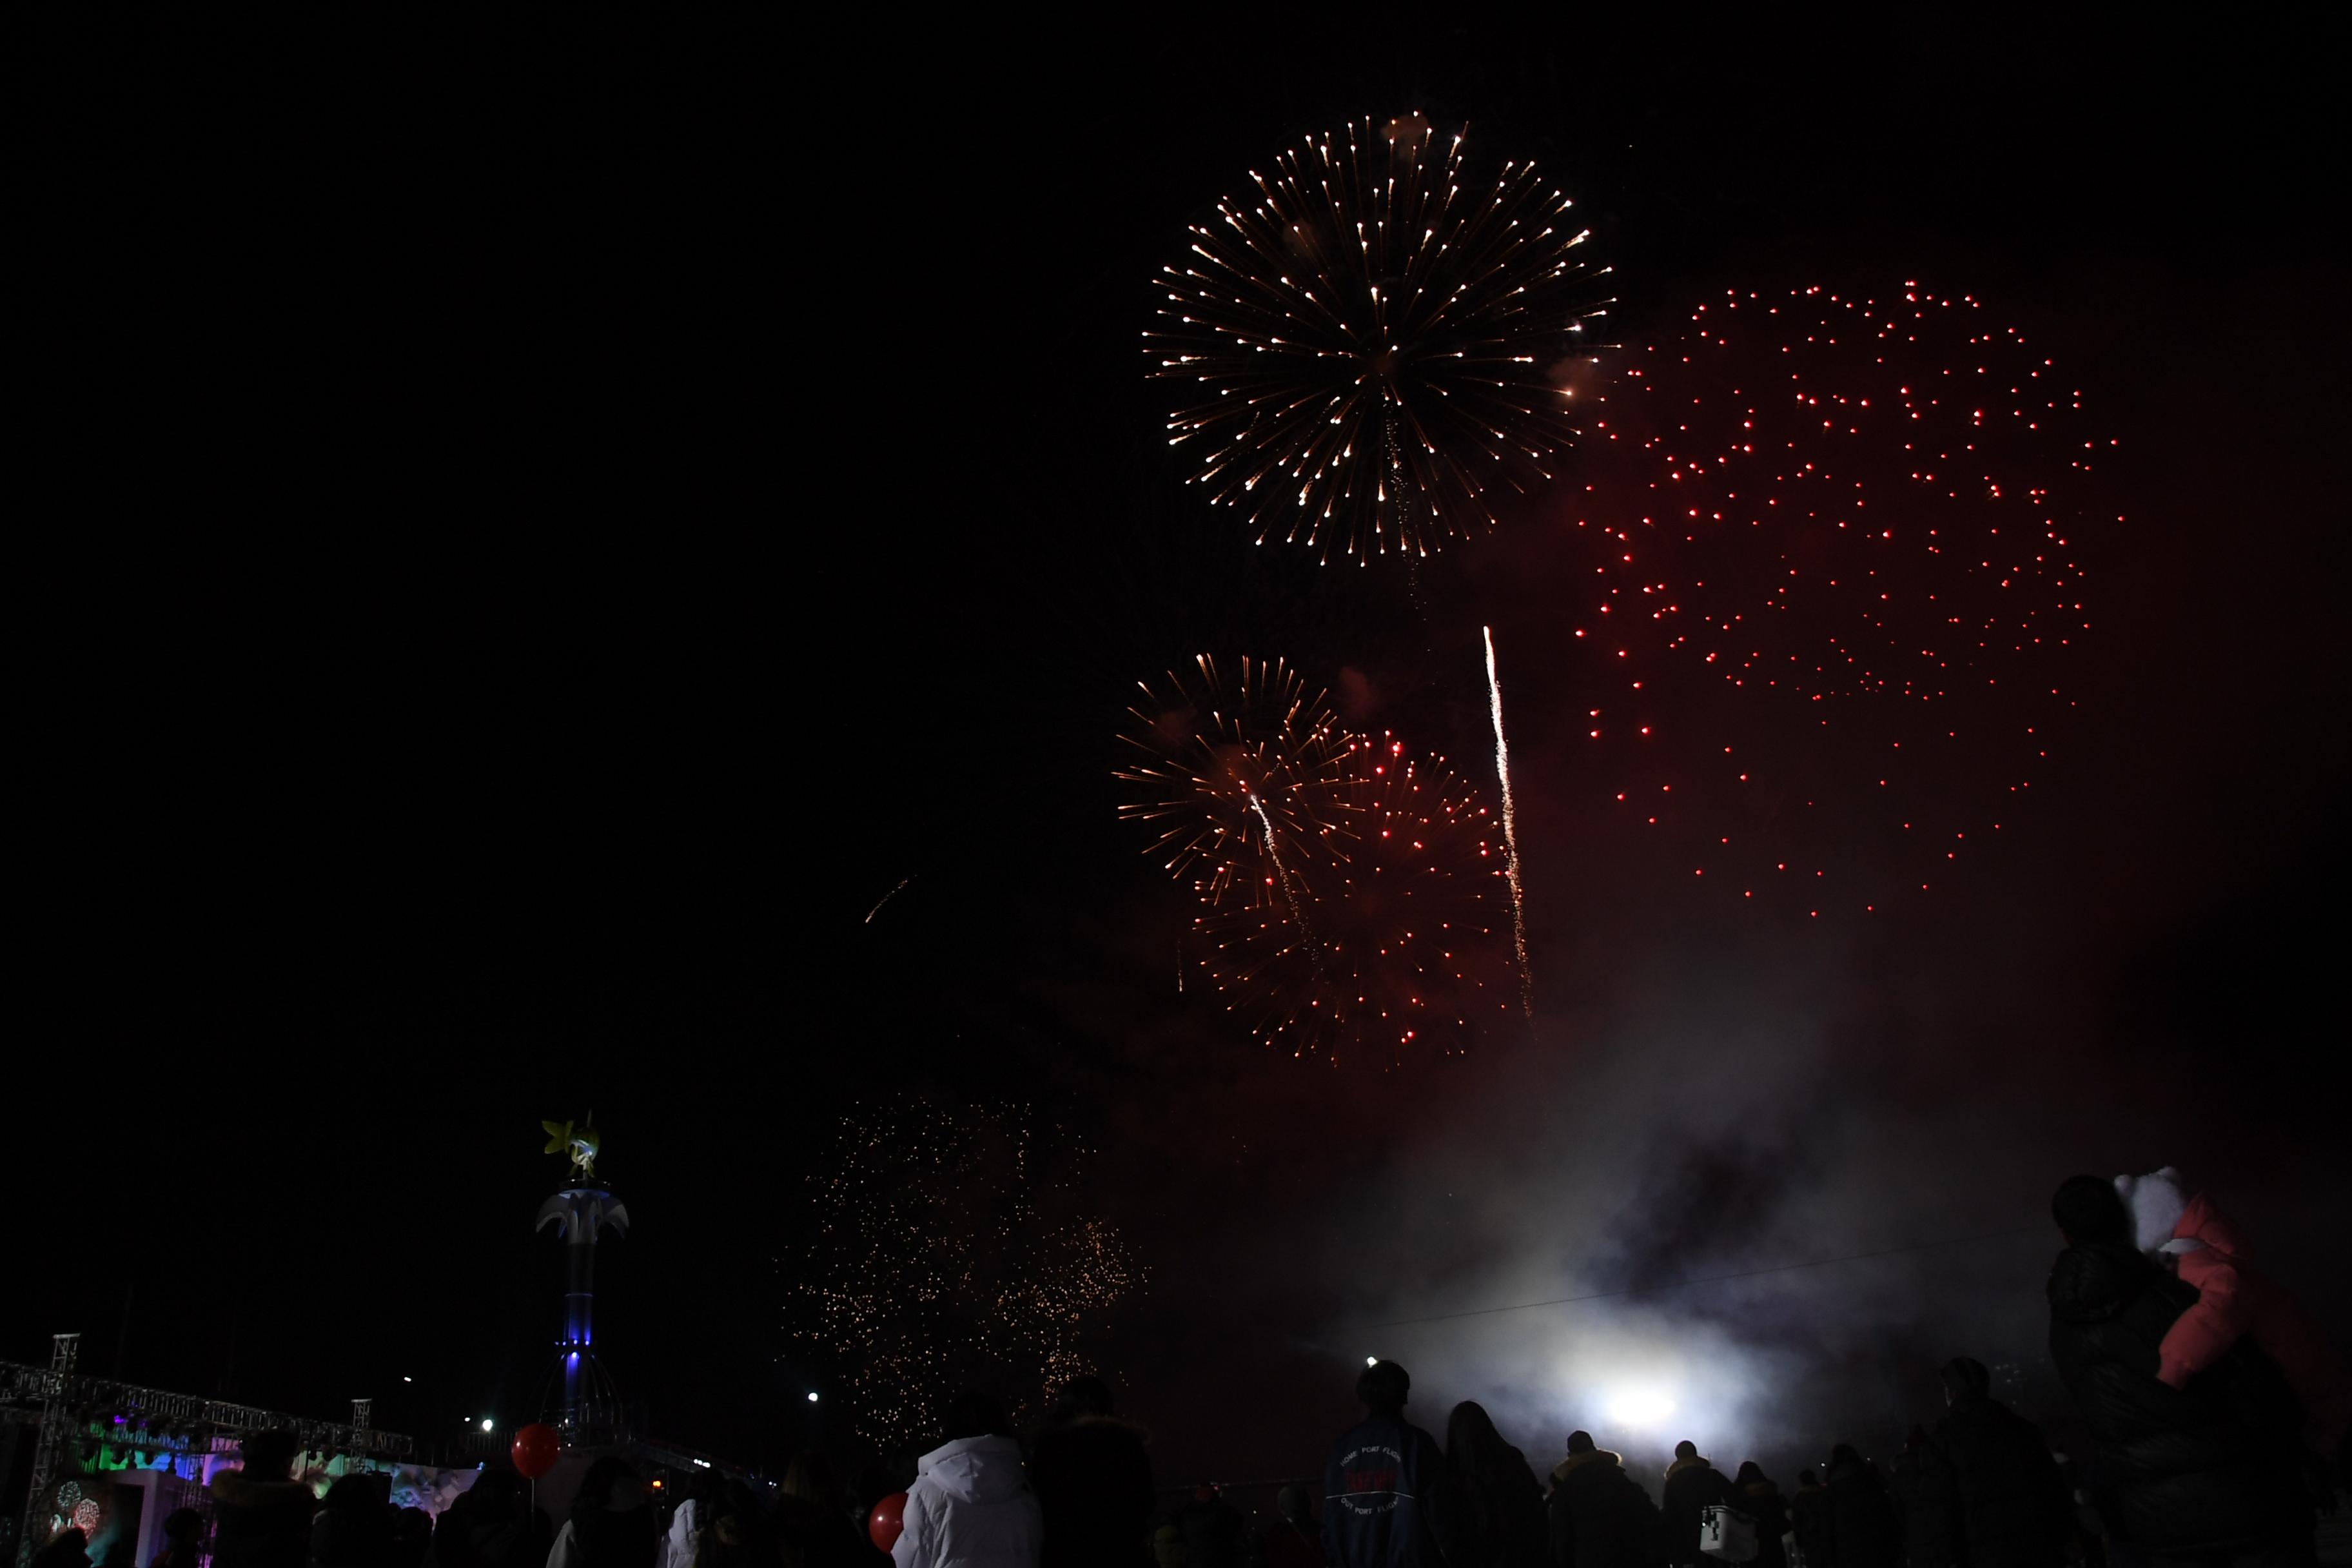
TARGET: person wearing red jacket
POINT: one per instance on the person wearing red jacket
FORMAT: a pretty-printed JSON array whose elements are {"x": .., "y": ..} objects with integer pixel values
[{"x": 2234, "y": 1301}]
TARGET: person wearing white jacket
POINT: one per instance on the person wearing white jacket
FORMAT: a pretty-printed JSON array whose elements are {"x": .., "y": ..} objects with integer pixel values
[{"x": 971, "y": 1506}]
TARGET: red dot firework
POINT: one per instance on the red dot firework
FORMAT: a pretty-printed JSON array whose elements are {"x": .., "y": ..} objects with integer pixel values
[
  {"x": 1370, "y": 342},
  {"x": 1382, "y": 927},
  {"x": 1854, "y": 520}
]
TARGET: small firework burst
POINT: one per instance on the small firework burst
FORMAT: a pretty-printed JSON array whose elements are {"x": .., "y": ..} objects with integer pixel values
[
  {"x": 946, "y": 1248},
  {"x": 1237, "y": 778}
]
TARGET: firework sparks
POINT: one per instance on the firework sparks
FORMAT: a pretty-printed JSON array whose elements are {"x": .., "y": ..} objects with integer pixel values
[
  {"x": 1405, "y": 892},
  {"x": 1855, "y": 521},
  {"x": 1510, "y": 830},
  {"x": 1372, "y": 347},
  {"x": 946, "y": 1249},
  {"x": 1239, "y": 779}
]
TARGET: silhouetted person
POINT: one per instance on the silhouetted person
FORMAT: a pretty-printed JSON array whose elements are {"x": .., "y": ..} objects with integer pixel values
[
  {"x": 69, "y": 1549},
  {"x": 739, "y": 1534},
  {"x": 1864, "y": 1530},
  {"x": 611, "y": 1526},
  {"x": 1599, "y": 1516},
  {"x": 1093, "y": 1478},
  {"x": 812, "y": 1523},
  {"x": 410, "y": 1539},
  {"x": 1211, "y": 1528},
  {"x": 1692, "y": 1486},
  {"x": 261, "y": 1514},
  {"x": 183, "y": 1535},
  {"x": 352, "y": 1528},
  {"x": 1501, "y": 1523},
  {"x": 1927, "y": 1502},
  {"x": 492, "y": 1525},
  {"x": 1754, "y": 1495},
  {"x": 1385, "y": 1491},
  {"x": 2009, "y": 1502},
  {"x": 970, "y": 1503},
  {"x": 1809, "y": 1522},
  {"x": 2206, "y": 1472},
  {"x": 1292, "y": 1538}
]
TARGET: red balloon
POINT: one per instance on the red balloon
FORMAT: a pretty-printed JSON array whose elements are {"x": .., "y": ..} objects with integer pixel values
[
  {"x": 888, "y": 1518},
  {"x": 535, "y": 1450}
]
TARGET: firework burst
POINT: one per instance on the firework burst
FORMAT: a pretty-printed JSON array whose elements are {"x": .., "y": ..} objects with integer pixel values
[
  {"x": 1405, "y": 943},
  {"x": 1856, "y": 521},
  {"x": 946, "y": 1250},
  {"x": 1370, "y": 348},
  {"x": 1238, "y": 778}
]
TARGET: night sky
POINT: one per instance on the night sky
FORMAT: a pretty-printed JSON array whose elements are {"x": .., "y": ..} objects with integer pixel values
[{"x": 536, "y": 528}]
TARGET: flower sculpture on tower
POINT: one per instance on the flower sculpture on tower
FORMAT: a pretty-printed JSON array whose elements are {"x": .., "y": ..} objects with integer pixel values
[{"x": 581, "y": 1212}]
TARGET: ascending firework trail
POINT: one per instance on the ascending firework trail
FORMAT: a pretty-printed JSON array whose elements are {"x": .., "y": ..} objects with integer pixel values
[{"x": 1510, "y": 831}]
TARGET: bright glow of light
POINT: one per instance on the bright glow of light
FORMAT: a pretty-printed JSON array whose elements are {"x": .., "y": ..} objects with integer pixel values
[
  {"x": 701, "y": 1464},
  {"x": 486, "y": 1423},
  {"x": 812, "y": 1397},
  {"x": 1645, "y": 1409},
  {"x": 1371, "y": 1361}
]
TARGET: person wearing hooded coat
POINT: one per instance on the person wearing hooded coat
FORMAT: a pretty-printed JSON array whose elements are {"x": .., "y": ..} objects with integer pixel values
[
  {"x": 1093, "y": 1476},
  {"x": 1599, "y": 1516},
  {"x": 971, "y": 1506},
  {"x": 2207, "y": 1469},
  {"x": 2009, "y": 1501},
  {"x": 1755, "y": 1496},
  {"x": 1502, "y": 1520},
  {"x": 1864, "y": 1530},
  {"x": 2235, "y": 1301},
  {"x": 1692, "y": 1486}
]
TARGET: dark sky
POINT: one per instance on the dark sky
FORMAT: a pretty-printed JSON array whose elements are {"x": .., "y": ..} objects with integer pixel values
[{"x": 540, "y": 525}]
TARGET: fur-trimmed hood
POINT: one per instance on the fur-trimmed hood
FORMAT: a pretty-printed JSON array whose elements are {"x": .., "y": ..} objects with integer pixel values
[
  {"x": 1696, "y": 1462},
  {"x": 1576, "y": 1462}
]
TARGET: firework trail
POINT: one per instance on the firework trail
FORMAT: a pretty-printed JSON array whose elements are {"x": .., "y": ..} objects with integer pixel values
[
  {"x": 1510, "y": 831},
  {"x": 886, "y": 898},
  {"x": 1282, "y": 873},
  {"x": 1237, "y": 779},
  {"x": 1370, "y": 342}
]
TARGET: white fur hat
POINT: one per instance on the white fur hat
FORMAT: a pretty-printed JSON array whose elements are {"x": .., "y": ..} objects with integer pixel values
[{"x": 2155, "y": 1201}]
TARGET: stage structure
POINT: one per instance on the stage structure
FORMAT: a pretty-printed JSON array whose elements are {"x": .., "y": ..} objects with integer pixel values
[
  {"x": 102, "y": 1426},
  {"x": 588, "y": 1407}
]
